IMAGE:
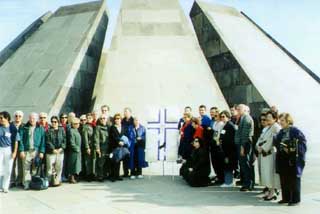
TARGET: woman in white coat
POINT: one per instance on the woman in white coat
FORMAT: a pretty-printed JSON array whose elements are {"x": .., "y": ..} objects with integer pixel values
[{"x": 267, "y": 154}]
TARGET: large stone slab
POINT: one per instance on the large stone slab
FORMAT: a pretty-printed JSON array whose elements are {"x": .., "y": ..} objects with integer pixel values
[
  {"x": 156, "y": 67},
  {"x": 57, "y": 63},
  {"x": 269, "y": 74}
]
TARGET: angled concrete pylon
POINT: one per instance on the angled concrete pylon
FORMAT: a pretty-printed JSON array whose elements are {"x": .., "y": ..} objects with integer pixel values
[
  {"x": 52, "y": 65},
  {"x": 253, "y": 68},
  {"x": 156, "y": 67}
]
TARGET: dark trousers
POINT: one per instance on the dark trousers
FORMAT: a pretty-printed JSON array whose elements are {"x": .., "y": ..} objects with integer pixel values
[
  {"x": 246, "y": 167},
  {"x": 125, "y": 166},
  {"x": 103, "y": 166},
  {"x": 136, "y": 169},
  {"x": 290, "y": 187},
  {"x": 115, "y": 170},
  {"x": 217, "y": 160}
]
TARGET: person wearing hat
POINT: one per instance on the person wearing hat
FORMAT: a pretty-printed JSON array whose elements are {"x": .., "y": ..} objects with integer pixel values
[
  {"x": 196, "y": 171},
  {"x": 74, "y": 156}
]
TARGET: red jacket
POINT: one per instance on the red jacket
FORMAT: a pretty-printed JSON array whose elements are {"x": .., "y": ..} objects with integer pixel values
[{"x": 198, "y": 133}]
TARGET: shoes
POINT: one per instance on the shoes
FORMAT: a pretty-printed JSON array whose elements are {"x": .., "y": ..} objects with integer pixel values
[
  {"x": 245, "y": 189},
  {"x": 226, "y": 185},
  {"x": 26, "y": 187},
  {"x": 270, "y": 199},
  {"x": 132, "y": 177},
  {"x": 179, "y": 161},
  {"x": 238, "y": 183},
  {"x": 125, "y": 176},
  {"x": 282, "y": 202},
  {"x": 293, "y": 204},
  {"x": 217, "y": 183},
  {"x": 140, "y": 176},
  {"x": 266, "y": 189},
  {"x": 72, "y": 180}
]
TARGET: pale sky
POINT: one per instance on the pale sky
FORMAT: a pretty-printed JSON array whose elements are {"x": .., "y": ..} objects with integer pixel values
[{"x": 294, "y": 23}]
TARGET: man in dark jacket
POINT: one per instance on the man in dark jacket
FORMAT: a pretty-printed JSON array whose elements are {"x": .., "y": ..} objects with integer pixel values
[
  {"x": 31, "y": 146},
  {"x": 243, "y": 140},
  {"x": 101, "y": 143}
]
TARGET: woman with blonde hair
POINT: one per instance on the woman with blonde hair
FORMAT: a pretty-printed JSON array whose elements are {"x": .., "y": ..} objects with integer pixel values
[{"x": 291, "y": 147}]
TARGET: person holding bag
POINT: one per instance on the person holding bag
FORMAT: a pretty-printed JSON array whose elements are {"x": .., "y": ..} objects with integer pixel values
[
  {"x": 267, "y": 154},
  {"x": 115, "y": 136},
  {"x": 31, "y": 146}
]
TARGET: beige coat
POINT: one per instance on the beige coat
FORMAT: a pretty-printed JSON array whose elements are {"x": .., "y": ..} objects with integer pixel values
[{"x": 268, "y": 175}]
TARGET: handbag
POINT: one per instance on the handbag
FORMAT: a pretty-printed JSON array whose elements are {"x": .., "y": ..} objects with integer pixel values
[
  {"x": 39, "y": 181},
  {"x": 120, "y": 153}
]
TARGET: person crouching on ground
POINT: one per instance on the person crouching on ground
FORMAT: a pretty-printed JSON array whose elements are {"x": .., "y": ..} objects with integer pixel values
[{"x": 196, "y": 171}]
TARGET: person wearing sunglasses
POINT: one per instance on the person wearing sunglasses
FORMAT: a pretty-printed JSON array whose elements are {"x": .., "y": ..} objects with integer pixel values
[
  {"x": 267, "y": 152},
  {"x": 32, "y": 146},
  {"x": 17, "y": 169},
  {"x": 101, "y": 143},
  {"x": 64, "y": 121},
  {"x": 43, "y": 121},
  {"x": 74, "y": 151},
  {"x": 55, "y": 146}
]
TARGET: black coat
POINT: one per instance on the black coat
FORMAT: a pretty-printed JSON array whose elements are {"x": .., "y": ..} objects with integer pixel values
[
  {"x": 200, "y": 164},
  {"x": 228, "y": 145},
  {"x": 114, "y": 137}
]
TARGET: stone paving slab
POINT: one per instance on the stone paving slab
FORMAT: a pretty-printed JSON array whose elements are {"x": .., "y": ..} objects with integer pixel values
[{"x": 153, "y": 194}]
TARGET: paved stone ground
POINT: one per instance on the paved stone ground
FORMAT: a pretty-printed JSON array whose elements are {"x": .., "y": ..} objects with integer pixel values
[{"x": 155, "y": 194}]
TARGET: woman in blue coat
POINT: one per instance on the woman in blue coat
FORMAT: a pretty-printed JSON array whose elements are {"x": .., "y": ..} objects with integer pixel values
[
  {"x": 290, "y": 160},
  {"x": 137, "y": 136}
]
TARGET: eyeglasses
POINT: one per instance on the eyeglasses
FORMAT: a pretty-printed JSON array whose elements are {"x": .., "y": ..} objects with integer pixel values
[
  {"x": 63, "y": 117},
  {"x": 43, "y": 118},
  {"x": 196, "y": 141},
  {"x": 83, "y": 120},
  {"x": 54, "y": 121}
]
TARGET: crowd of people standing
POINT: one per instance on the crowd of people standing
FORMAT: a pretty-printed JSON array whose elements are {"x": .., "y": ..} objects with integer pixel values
[
  {"x": 68, "y": 148},
  {"x": 92, "y": 147},
  {"x": 226, "y": 140}
]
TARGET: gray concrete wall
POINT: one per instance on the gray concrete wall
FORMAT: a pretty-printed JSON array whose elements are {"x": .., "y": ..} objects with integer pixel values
[
  {"x": 234, "y": 83},
  {"x": 55, "y": 68},
  {"x": 22, "y": 37}
]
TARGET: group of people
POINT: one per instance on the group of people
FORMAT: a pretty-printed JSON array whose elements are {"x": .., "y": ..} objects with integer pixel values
[
  {"x": 92, "y": 147},
  {"x": 232, "y": 142},
  {"x": 68, "y": 148}
]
